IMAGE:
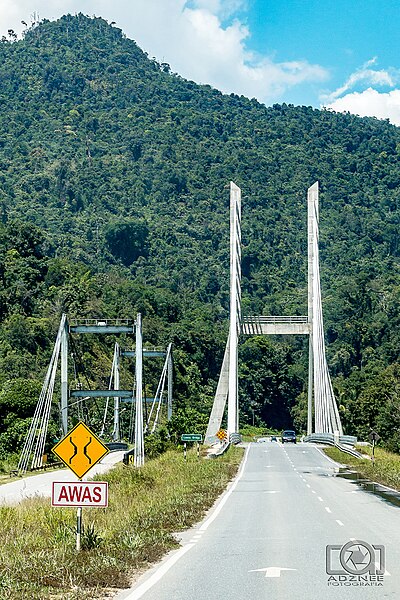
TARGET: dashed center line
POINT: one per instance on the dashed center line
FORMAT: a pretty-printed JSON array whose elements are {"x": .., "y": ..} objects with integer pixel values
[
  {"x": 328, "y": 509},
  {"x": 320, "y": 499},
  {"x": 339, "y": 523}
]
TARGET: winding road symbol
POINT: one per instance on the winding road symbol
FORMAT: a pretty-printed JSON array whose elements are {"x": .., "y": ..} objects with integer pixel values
[
  {"x": 80, "y": 449},
  {"x": 84, "y": 450}
]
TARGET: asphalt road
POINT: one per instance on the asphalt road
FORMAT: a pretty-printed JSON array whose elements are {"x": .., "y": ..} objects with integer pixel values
[
  {"x": 40, "y": 485},
  {"x": 267, "y": 537}
]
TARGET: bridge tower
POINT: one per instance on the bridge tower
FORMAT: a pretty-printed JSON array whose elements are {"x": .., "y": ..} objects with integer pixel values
[{"x": 321, "y": 400}]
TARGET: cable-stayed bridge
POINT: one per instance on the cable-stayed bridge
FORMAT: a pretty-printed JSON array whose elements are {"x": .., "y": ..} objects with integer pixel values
[{"x": 322, "y": 415}]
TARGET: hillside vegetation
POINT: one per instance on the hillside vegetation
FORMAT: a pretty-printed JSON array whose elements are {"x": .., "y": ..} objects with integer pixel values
[{"x": 113, "y": 200}]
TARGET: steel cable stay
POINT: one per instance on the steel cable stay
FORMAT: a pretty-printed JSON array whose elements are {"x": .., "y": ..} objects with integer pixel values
[
  {"x": 110, "y": 384},
  {"x": 41, "y": 415},
  {"x": 157, "y": 395},
  {"x": 161, "y": 395}
]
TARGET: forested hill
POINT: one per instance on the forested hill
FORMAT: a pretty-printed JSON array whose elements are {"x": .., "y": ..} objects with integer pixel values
[{"x": 113, "y": 199}]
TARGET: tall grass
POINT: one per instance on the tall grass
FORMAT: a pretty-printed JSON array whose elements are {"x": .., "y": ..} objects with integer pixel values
[
  {"x": 385, "y": 469},
  {"x": 38, "y": 560}
]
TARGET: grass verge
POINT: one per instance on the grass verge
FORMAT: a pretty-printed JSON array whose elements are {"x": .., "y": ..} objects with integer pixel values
[
  {"x": 37, "y": 542},
  {"x": 385, "y": 469}
]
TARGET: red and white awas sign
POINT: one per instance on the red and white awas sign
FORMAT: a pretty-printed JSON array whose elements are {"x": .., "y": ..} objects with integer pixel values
[{"x": 80, "y": 493}]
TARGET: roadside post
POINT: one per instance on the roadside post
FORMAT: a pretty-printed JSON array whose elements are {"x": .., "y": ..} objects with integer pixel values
[
  {"x": 374, "y": 438},
  {"x": 191, "y": 437},
  {"x": 80, "y": 450}
]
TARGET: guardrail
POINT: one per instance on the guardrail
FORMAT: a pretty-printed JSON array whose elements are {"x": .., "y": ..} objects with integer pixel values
[
  {"x": 345, "y": 441},
  {"x": 214, "y": 453}
]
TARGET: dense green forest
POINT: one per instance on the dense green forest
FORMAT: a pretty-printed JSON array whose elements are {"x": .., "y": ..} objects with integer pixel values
[{"x": 113, "y": 200}]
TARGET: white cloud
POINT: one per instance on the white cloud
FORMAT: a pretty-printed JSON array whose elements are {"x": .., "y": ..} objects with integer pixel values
[
  {"x": 201, "y": 40},
  {"x": 366, "y": 76},
  {"x": 370, "y": 103}
]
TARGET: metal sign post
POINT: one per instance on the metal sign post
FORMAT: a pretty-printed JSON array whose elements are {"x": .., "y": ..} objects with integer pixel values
[
  {"x": 191, "y": 437},
  {"x": 78, "y": 528}
]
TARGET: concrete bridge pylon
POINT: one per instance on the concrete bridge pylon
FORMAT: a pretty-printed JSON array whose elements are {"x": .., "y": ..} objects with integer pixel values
[{"x": 322, "y": 413}]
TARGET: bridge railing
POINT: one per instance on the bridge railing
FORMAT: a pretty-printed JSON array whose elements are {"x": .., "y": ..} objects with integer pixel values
[
  {"x": 249, "y": 319},
  {"x": 101, "y": 322}
]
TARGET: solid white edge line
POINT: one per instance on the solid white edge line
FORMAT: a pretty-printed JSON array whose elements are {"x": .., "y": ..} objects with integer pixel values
[
  {"x": 328, "y": 458},
  {"x": 163, "y": 569},
  {"x": 218, "y": 509}
]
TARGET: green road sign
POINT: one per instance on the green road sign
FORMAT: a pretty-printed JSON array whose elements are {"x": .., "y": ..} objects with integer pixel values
[{"x": 191, "y": 437}]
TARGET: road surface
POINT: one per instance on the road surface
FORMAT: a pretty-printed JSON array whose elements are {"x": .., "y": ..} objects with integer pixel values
[
  {"x": 40, "y": 485},
  {"x": 267, "y": 537}
]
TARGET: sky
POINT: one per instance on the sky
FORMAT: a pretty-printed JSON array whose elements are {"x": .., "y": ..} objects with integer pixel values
[{"x": 340, "y": 54}]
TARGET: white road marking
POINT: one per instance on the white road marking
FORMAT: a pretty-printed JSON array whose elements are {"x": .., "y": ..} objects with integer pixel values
[
  {"x": 220, "y": 506},
  {"x": 328, "y": 509},
  {"x": 313, "y": 491},
  {"x": 339, "y": 523},
  {"x": 320, "y": 499},
  {"x": 272, "y": 492},
  {"x": 308, "y": 485},
  {"x": 272, "y": 571},
  {"x": 328, "y": 458},
  {"x": 161, "y": 571}
]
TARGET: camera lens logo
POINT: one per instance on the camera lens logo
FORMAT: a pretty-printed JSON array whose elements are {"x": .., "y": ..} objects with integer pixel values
[{"x": 355, "y": 558}]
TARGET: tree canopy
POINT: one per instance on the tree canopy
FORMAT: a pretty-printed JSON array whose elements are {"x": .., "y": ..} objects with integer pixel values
[{"x": 113, "y": 201}]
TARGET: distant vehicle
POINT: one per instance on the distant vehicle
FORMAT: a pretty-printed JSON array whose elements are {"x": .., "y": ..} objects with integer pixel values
[
  {"x": 289, "y": 436},
  {"x": 273, "y": 438}
]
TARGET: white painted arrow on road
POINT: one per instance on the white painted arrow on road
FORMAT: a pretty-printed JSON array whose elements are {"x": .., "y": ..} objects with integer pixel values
[{"x": 271, "y": 571}]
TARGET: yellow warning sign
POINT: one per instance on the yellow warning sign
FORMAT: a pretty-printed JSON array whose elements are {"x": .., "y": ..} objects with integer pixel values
[
  {"x": 221, "y": 434},
  {"x": 80, "y": 449}
]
